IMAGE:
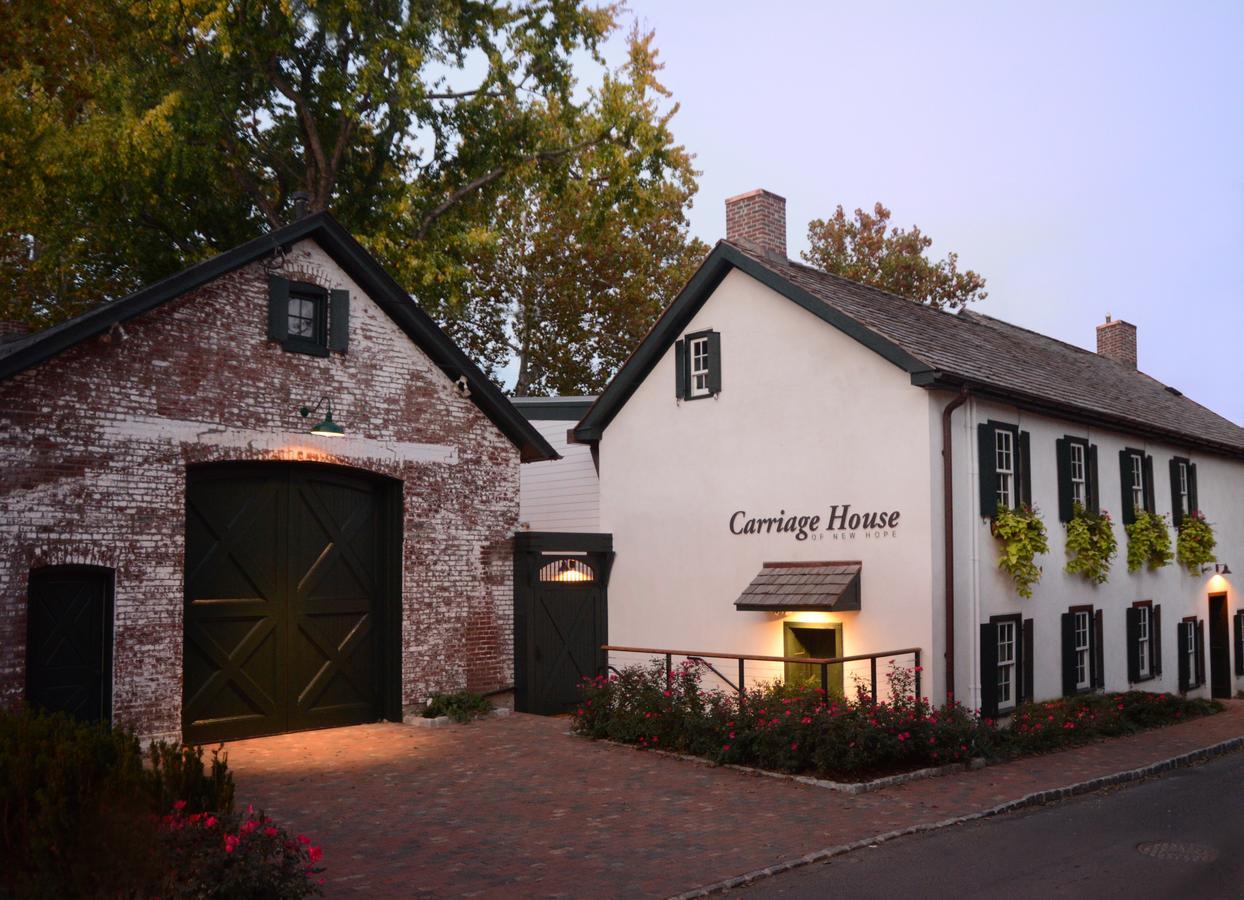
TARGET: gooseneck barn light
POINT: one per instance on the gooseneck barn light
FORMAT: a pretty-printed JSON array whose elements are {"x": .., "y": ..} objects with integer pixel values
[
  {"x": 1217, "y": 569},
  {"x": 326, "y": 428}
]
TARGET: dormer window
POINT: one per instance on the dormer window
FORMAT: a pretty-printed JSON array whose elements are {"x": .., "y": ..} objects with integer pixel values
[
  {"x": 307, "y": 318},
  {"x": 698, "y": 365}
]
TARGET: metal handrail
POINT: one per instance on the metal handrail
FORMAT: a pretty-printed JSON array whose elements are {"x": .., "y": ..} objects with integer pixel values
[
  {"x": 712, "y": 668},
  {"x": 824, "y": 663}
]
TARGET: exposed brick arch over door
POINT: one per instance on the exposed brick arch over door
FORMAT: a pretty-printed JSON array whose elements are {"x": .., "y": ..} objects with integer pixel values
[{"x": 288, "y": 600}]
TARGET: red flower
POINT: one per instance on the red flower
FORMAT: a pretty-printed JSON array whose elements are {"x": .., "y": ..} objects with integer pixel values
[
  {"x": 179, "y": 805},
  {"x": 231, "y": 842},
  {"x": 315, "y": 854}
]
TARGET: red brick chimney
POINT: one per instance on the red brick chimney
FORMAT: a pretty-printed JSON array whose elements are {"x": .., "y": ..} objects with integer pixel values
[
  {"x": 758, "y": 218},
  {"x": 1117, "y": 340}
]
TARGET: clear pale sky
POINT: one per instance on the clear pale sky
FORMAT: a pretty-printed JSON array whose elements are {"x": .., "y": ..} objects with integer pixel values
[{"x": 1085, "y": 158}]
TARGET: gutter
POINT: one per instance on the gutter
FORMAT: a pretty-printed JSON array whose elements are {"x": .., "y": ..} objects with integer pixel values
[{"x": 948, "y": 525}]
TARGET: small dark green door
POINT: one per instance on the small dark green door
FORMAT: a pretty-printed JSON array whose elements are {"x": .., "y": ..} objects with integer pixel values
[
  {"x": 816, "y": 641},
  {"x": 284, "y": 600},
  {"x": 69, "y": 641}
]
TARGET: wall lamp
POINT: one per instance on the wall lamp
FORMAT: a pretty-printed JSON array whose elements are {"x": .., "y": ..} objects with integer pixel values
[
  {"x": 1217, "y": 569},
  {"x": 326, "y": 428}
]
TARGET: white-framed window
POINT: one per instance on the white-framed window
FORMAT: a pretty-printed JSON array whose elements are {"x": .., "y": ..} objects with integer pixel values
[
  {"x": 1183, "y": 488},
  {"x": 1138, "y": 481},
  {"x": 1144, "y": 641},
  {"x": 1006, "y": 664},
  {"x": 699, "y": 354},
  {"x": 1079, "y": 479},
  {"x": 1004, "y": 465},
  {"x": 1081, "y": 646}
]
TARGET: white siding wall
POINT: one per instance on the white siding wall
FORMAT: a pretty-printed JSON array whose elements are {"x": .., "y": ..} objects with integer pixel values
[
  {"x": 561, "y": 494},
  {"x": 807, "y": 418}
]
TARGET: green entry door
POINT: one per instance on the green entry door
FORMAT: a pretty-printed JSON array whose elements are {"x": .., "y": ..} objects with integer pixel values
[{"x": 817, "y": 641}]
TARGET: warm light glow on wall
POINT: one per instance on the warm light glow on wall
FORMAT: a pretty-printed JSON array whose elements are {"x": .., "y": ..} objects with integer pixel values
[
  {"x": 809, "y": 616},
  {"x": 1218, "y": 585}
]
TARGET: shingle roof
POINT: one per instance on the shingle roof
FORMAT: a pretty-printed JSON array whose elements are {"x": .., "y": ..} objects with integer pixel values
[
  {"x": 945, "y": 350},
  {"x": 1015, "y": 361},
  {"x": 803, "y": 586}
]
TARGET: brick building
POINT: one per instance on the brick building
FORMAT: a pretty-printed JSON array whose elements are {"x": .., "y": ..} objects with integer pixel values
[{"x": 179, "y": 553}]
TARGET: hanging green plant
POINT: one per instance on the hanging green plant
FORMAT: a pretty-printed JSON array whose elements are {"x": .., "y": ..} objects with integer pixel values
[
  {"x": 1091, "y": 544},
  {"x": 1194, "y": 546},
  {"x": 1148, "y": 542},
  {"x": 1022, "y": 536}
]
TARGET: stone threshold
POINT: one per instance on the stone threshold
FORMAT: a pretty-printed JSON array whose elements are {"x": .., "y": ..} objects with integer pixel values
[{"x": 444, "y": 721}]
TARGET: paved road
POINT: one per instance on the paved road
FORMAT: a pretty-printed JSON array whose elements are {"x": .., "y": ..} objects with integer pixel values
[{"x": 1081, "y": 847}]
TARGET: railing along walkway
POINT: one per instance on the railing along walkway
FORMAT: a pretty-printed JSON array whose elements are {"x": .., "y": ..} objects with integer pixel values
[{"x": 743, "y": 658}]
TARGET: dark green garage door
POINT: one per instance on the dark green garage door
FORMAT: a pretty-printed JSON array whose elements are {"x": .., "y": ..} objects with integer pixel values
[{"x": 285, "y": 586}]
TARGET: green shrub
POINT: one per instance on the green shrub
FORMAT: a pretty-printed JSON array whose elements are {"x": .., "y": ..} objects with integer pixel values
[
  {"x": 176, "y": 773},
  {"x": 1056, "y": 724},
  {"x": 1022, "y": 536},
  {"x": 75, "y": 815},
  {"x": 462, "y": 706}
]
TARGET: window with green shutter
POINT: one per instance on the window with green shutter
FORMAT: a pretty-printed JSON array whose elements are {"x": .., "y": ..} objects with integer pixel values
[
  {"x": 306, "y": 318},
  {"x": 697, "y": 360},
  {"x": 1077, "y": 475},
  {"x": 1136, "y": 482},
  {"x": 1183, "y": 488},
  {"x": 1004, "y": 458}
]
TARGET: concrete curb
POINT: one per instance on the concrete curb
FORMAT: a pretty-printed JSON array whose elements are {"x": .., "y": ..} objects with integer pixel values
[{"x": 1034, "y": 799}]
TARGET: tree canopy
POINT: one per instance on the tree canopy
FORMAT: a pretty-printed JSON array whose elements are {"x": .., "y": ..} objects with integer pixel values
[
  {"x": 863, "y": 250},
  {"x": 457, "y": 139}
]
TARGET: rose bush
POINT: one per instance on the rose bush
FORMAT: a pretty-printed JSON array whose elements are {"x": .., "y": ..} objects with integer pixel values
[{"x": 774, "y": 726}]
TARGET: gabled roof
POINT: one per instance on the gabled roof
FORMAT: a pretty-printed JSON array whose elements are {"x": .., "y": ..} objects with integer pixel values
[
  {"x": 562, "y": 409},
  {"x": 793, "y": 586},
  {"x": 19, "y": 355},
  {"x": 940, "y": 349}
]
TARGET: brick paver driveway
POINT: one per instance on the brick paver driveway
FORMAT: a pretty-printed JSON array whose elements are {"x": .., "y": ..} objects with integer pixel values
[{"x": 516, "y": 807}]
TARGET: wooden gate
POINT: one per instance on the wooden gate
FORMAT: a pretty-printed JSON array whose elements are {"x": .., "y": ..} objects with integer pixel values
[
  {"x": 289, "y": 604},
  {"x": 561, "y": 616},
  {"x": 69, "y": 641}
]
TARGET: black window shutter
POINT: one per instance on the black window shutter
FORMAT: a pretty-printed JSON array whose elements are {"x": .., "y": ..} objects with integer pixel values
[
  {"x": 1094, "y": 501},
  {"x": 1200, "y": 652},
  {"x": 1062, "y": 455},
  {"x": 1177, "y": 515},
  {"x": 278, "y": 308},
  {"x": 1185, "y": 673},
  {"x": 1098, "y": 654},
  {"x": 680, "y": 371},
  {"x": 1026, "y": 692},
  {"x": 714, "y": 362},
  {"x": 339, "y": 321},
  {"x": 1125, "y": 480},
  {"x": 1069, "y": 653},
  {"x": 1148, "y": 470},
  {"x": 1193, "y": 504},
  {"x": 1155, "y": 639},
  {"x": 1133, "y": 644},
  {"x": 988, "y": 467},
  {"x": 1025, "y": 469},
  {"x": 1239, "y": 642},
  {"x": 989, "y": 670}
]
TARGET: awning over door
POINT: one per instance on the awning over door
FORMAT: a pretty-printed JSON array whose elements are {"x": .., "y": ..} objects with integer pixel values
[{"x": 794, "y": 586}]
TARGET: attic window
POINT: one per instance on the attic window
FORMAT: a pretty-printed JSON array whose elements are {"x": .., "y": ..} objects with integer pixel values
[
  {"x": 307, "y": 318},
  {"x": 698, "y": 365}
]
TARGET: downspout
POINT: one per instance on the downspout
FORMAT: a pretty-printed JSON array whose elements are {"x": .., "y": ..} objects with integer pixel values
[{"x": 948, "y": 525}]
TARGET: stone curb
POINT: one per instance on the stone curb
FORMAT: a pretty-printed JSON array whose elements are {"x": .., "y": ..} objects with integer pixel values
[
  {"x": 1034, "y": 799},
  {"x": 843, "y": 787}
]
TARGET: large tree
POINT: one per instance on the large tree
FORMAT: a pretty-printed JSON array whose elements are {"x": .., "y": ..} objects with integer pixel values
[
  {"x": 862, "y": 249},
  {"x": 137, "y": 138}
]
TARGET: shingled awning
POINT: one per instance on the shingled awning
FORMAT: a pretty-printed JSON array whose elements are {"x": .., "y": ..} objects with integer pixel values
[{"x": 790, "y": 586}]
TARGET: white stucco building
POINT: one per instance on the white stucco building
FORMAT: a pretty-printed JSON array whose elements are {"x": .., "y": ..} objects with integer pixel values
[{"x": 779, "y": 415}]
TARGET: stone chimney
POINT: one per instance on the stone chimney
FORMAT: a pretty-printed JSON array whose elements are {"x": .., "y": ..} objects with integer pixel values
[
  {"x": 758, "y": 218},
  {"x": 1117, "y": 340}
]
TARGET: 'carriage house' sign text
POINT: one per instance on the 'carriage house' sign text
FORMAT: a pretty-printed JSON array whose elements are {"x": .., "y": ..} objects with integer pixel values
[{"x": 839, "y": 523}]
